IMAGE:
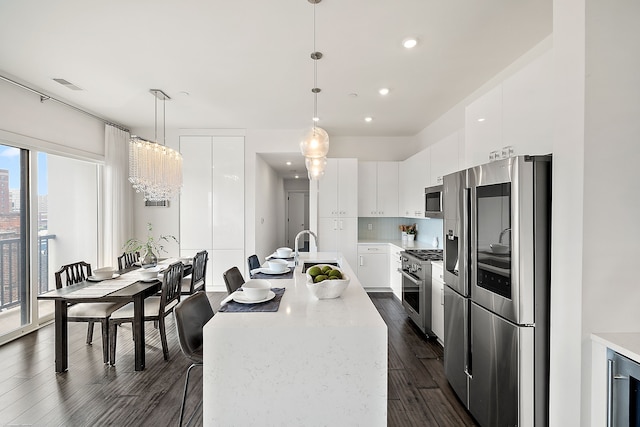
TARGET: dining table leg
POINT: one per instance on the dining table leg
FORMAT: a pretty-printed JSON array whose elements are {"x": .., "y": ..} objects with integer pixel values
[
  {"x": 138, "y": 331},
  {"x": 62, "y": 336}
]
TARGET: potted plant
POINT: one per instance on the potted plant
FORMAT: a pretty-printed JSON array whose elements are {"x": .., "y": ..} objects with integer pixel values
[
  {"x": 148, "y": 248},
  {"x": 408, "y": 232}
]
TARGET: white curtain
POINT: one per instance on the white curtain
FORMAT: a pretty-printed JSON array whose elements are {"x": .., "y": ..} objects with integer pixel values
[{"x": 117, "y": 195}]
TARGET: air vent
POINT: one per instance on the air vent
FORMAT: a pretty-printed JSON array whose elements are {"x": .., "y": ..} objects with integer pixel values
[
  {"x": 157, "y": 203},
  {"x": 67, "y": 84}
]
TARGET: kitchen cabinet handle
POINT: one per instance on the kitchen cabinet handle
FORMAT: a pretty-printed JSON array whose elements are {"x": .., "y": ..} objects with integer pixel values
[
  {"x": 335, "y": 224},
  {"x": 361, "y": 263},
  {"x": 372, "y": 249},
  {"x": 341, "y": 225},
  {"x": 609, "y": 393},
  {"x": 441, "y": 295}
]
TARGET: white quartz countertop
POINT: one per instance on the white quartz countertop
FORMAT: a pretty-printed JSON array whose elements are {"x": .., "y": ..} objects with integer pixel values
[
  {"x": 299, "y": 308},
  {"x": 311, "y": 363},
  {"x": 625, "y": 343},
  {"x": 416, "y": 244}
]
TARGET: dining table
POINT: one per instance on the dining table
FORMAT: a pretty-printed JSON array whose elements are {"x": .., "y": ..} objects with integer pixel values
[{"x": 126, "y": 286}]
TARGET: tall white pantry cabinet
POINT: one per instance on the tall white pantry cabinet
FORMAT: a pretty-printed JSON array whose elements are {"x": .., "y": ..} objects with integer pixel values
[
  {"x": 212, "y": 202},
  {"x": 338, "y": 208}
]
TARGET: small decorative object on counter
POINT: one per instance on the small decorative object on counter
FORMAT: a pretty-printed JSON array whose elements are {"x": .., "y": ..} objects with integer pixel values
[
  {"x": 148, "y": 248},
  {"x": 436, "y": 242},
  {"x": 408, "y": 232}
]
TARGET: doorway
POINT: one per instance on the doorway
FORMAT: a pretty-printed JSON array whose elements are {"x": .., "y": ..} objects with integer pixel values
[{"x": 297, "y": 210}]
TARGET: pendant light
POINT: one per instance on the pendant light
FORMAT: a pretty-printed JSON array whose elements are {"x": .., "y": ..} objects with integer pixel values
[
  {"x": 155, "y": 170},
  {"x": 315, "y": 142}
]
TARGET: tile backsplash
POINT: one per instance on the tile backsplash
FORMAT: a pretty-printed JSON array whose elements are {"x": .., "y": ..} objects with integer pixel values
[{"x": 389, "y": 228}]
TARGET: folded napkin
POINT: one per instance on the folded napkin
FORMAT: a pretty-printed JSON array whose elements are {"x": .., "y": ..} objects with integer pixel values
[{"x": 228, "y": 305}]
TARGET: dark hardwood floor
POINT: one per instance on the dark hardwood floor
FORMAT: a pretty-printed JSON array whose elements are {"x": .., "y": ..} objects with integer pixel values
[{"x": 94, "y": 394}]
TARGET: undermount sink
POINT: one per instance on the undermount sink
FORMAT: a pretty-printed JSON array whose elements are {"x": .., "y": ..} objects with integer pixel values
[{"x": 308, "y": 264}]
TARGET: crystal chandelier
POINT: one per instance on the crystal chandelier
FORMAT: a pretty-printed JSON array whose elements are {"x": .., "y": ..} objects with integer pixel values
[
  {"x": 155, "y": 170},
  {"x": 315, "y": 142}
]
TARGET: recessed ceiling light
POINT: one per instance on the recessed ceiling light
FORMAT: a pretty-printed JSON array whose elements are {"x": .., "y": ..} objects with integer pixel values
[
  {"x": 368, "y": 119},
  {"x": 384, "y": 91},
  {"x": 481, "y": 119},
  {"x": 288, "y": 163},
  {"x": 409, "y": 43},
  {"x": 296, "y": 176},
  {"x": 353, "y": 95}
]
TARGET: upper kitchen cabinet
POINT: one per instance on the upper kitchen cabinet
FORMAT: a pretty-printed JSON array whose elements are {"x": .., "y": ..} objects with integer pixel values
[
  {"x": 516, "y": 113},
  {"x": 445, "y": 157},
  {"x": 211, "y": 199},
  {"x": 483, "y": 127},
  {"x": 338, "y": 189},
  {"x": 414, "y": 177},
  {"x": 378, "y": 189},
  {"x": 527, "y": 116}
]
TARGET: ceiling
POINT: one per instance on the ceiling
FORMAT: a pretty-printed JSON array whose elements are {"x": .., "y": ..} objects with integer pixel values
[{"x": 246, "y": 63}]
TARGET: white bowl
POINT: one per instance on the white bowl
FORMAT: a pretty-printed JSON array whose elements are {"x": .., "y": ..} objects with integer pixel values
[
  {"x": 283, "y": 252},
  {"x": 149, "y": 273},
  {"x": 256, "y": 289},
  {"x": 328, "y": 289},
  {"x": 104, "y": 273},
  {"x": 277, "y": 265},
  {"x": 499, "y": 248}
]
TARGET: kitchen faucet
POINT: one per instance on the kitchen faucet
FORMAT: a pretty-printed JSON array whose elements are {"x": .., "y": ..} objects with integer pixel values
[
  {"x": 502, "y": 233},
  {"x": 297, "y": 254}
]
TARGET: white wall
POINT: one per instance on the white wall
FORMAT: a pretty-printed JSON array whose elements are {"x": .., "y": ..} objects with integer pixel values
[
  {"x": 269, "y": 228},
  {"x": 610, "y": 291},
  {"x": 373, "y": 148}
]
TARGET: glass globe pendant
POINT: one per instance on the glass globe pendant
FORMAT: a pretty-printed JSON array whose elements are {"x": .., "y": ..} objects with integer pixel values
[
  {"x": 315, "y": 143},
  {"x": 315, "y": 167}
]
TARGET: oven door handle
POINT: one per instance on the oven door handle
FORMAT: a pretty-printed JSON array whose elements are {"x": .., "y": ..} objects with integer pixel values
[{"x": 408, "y": 276}]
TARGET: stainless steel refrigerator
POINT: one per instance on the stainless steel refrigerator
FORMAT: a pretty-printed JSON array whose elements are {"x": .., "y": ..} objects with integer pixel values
[{"x": 497, "y": 277}]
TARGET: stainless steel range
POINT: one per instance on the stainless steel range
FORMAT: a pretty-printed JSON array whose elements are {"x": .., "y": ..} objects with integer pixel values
[{"x": 416, "y": 285}]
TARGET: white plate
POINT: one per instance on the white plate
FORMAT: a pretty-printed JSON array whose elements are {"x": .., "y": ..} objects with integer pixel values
[
  {"x": 238, "y": 297},
  {"x": 275, "y": 256},
  {"x": 266, "y": 270},
  {"x": 94, "y": 279}
]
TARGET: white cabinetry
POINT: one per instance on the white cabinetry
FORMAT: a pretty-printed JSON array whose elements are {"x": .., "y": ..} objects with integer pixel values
[
  {"x": 338, "y": 189},
  {"x": 373, "y": 265},
  {"x": 395, "y": 264},
  {"x": 415, "y": 176},
  {"x": 444, "y": 157},
  {"x": 515, "y": 113},
  {"x": 437, "y": 301},
  {"x": 212, "y": 202},
  {"x": 378, "y": 189},
  {"x": 338, "y": 208}
]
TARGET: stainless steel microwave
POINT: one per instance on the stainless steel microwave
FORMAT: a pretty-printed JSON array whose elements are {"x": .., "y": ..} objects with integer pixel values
[{"x": 433, "y": 202}]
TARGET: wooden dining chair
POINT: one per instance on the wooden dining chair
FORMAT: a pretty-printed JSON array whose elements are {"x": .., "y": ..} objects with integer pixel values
[
  {"x": 191, "y": 315},
  {"x": 127, "y": 259},
  {"x": 156, "y": 308},
  {"x": 253, "y": 262},
  {"x": 233, "y": 279},
  {"x": 90, "y": 312},
  {"x": 195, "y": 281}
]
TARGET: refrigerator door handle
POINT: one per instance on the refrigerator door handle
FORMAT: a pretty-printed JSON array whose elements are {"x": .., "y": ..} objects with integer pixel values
[{"x": 468, "y": 343}]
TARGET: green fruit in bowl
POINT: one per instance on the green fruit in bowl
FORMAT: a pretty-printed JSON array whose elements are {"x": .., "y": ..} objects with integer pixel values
[
  {"x": 326, "y": 269},
  {"x": 319, "y": 278},
  {"x": 335, "y": 274},
  {"x": 314, "y": 271}
]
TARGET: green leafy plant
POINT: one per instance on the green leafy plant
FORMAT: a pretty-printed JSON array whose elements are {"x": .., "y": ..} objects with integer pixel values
[{"x": 151, "y": 243}]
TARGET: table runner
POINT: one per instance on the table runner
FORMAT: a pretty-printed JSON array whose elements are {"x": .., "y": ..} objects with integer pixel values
[{"x": 268, "y": 306}]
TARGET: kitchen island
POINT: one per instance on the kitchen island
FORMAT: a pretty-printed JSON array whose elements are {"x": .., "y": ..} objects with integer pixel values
[{"x": 313, "y": 362}]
